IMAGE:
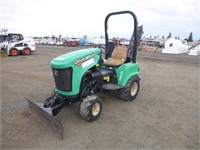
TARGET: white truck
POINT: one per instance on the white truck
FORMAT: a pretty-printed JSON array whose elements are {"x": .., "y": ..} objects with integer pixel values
[{"x": 13, "y": 44}]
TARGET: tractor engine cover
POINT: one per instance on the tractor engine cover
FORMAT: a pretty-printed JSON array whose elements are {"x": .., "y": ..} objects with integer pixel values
[{"x": 69, "y": 69}]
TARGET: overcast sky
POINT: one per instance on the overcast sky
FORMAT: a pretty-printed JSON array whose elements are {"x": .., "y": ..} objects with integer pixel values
[{"x": 86, "y": 17}]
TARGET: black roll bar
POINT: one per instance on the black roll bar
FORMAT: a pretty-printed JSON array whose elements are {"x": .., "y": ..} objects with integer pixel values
[{"x": 133, "y": 37}]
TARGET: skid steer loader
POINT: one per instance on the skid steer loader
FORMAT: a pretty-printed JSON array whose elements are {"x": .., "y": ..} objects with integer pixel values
[
  {"x": 81, "y": 74},
  {"x": 13, "y": 44}
]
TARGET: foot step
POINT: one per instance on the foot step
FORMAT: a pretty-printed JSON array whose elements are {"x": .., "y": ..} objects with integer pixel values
[{"x": 111, "y": 86}]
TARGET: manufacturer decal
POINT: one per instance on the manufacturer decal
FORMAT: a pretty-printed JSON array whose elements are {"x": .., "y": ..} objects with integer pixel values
[
  {"x": 88, "y": 62},
  {"x": 78, "y": 62},
  {"x": 55, "y": 72},
  {"x": 121, "y": 75}
]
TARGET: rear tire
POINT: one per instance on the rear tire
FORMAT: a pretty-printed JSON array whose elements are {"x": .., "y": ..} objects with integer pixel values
[
  {"x": 27, "y": 51},
  {"x": 91, "y": 108},
  {"x": 14, "y": 52},
  {"x": 130, "y": 91}
]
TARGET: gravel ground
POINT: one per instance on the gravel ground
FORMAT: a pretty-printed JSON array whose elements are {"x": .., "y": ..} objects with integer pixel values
[{"x": 165, "y": 114}]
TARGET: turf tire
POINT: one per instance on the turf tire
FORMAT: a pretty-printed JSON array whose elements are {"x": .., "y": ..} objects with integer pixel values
[
  {"x": 91, "y": 108},
  {"x": 130, "y": 91}
]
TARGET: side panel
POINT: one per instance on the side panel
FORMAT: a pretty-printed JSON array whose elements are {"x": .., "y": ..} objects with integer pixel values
[{"x": 125, "y": 72}]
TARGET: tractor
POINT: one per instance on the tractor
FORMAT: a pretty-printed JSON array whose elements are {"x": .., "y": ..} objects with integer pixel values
[{"x": 80, "y": 75}]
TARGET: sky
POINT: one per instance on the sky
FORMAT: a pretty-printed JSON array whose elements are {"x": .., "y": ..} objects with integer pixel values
[{"x": 76, "y": 18}]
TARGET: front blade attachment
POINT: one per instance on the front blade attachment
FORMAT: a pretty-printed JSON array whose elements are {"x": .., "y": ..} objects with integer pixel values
[
  {"x": 3, "y": 54},
  {"x": 45, "y": 117}
]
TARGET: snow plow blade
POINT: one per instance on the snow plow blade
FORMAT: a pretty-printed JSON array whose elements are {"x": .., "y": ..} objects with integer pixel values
[{"x": 45, "y": 117}]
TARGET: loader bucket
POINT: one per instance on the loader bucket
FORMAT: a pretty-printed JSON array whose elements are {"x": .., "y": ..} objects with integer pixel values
[
  {"x": 45, "y": 117},
  {"x": 4, "y": 54}
]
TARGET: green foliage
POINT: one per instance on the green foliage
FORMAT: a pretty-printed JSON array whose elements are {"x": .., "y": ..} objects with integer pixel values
[
  {"x": 170, "y": 35},
  {"x": 37, "y": 37},
  {"x": 46, "y": 37},
  {"x": 190, "y": 38},
  {"x": 53, "y": 37}
]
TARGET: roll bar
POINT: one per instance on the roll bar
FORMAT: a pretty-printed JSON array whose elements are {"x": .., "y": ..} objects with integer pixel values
[{"x": 133, "y": 36}]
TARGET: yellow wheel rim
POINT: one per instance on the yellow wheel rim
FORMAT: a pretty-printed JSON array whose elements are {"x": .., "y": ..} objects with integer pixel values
[
  {"x": 134, "y": 88},
  {"x": 96, "y": 109}
]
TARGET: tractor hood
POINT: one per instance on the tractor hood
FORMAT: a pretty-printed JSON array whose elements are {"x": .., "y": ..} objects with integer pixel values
[
  {"x": 68, "y": 69},
  {"x": 75, "y": 58}
]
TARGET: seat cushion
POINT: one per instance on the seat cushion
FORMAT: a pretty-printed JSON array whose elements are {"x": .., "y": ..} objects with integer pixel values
[
  {"x": 118, "y": 57},
  {"x": 114, "y": 62},
  {"x": 119, "y": 52}
]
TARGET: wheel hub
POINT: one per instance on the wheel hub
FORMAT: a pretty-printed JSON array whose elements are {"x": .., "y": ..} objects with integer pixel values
[
  {"x": 96, "y": 109},
  {"x": 14, "y": 52},
  {"x": 26, "y": 51},
  {"x": 134, "y": 88}
]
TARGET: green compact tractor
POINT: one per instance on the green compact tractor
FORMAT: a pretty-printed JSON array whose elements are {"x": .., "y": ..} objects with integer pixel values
[{"x": 81, "y": 74}]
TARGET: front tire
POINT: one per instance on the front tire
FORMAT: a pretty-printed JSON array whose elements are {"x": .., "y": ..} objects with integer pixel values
[
  {"x": 130, "y": 91},
  {"x": 91, "y": 108},
  {"x": 14, "y": 52}
]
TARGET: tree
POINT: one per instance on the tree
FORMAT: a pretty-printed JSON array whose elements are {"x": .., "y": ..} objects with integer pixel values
[
  {"x": 46, "y": 37},
  {"x": 85, "y": 36},
  {"x": 190, "y": 38},
  {"x": 163, "y": 37},
  {"x": 4, "y": 30},
  {"x": 170, "y": 35},
  {"x": 59, "y": 37},
  {"x": 53, "y": 37}
]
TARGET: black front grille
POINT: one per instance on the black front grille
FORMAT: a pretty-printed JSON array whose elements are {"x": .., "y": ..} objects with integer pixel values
[{"x": 63, "y": 78}]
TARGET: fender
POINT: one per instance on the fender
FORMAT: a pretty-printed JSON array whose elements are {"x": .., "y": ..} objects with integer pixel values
[{"x": 125, "y": 72}]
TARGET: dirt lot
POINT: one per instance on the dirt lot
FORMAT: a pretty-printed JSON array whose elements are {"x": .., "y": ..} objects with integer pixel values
[{"x": 165, "y": 114}]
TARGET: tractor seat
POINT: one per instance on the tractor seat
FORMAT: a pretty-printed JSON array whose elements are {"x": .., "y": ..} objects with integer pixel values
[{"x": 117, "y": 58}]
